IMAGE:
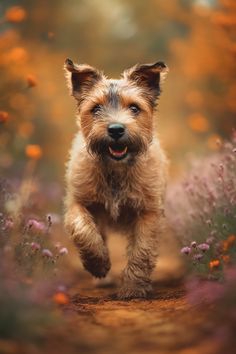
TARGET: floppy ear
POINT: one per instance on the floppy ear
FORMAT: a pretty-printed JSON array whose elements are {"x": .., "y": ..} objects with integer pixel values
[
  {"x": 80, "y": 77},
  {"x": 150, "y": 76}
]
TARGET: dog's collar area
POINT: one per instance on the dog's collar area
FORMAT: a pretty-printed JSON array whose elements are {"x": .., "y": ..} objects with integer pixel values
[{"x": 118, "y": 153}]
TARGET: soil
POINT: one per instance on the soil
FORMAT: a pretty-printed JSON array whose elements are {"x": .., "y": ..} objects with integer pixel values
[
  {"x": 96, "y": 322},
  {"x": 163, "y": 324}
]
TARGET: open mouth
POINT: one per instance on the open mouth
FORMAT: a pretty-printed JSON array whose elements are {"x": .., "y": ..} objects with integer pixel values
[{"x": 118, "y": 153}]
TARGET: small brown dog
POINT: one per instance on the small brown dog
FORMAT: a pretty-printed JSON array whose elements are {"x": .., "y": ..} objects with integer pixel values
[{"x": 116, "y": 173}]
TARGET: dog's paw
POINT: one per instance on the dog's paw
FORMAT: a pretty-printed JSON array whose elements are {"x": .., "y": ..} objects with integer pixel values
[
  {"x": 96, "y": 265},
  {"x": 134, "y": 292}
]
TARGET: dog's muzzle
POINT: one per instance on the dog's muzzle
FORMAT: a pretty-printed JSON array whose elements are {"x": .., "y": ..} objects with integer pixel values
[
  {"x": 116, "y": 149},
  {"x": 117, "y": 144}
]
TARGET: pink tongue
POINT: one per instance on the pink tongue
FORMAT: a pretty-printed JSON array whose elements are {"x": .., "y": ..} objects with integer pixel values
[{"x": 117, "y": 153}]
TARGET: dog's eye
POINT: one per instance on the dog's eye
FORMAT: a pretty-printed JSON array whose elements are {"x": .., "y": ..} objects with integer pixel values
[
  {"x": 96, "y": 109},
  {"x": 134, "y": 109}
]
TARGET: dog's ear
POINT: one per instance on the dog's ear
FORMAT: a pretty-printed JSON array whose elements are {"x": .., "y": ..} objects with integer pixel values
[
  {"x": 150, "y": 76},
  {"x": 80, "y": 77}
]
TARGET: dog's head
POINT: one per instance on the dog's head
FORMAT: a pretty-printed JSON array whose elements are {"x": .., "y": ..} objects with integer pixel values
[{"x": 116, "y": 116}]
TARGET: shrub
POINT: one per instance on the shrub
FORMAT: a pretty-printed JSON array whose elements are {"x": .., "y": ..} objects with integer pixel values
[{"x": 206, "y": 219}]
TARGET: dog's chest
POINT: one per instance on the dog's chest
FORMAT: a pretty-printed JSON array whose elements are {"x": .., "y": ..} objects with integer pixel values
[{"x": 117, "y": 194}]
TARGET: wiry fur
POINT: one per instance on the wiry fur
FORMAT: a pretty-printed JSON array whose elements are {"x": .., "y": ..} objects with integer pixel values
[{"x": 126, "y": 194}]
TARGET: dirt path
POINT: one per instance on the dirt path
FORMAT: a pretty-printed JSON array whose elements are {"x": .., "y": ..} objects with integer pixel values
[
  {"x": 163, "y": 324},
  {"x": 95, "y": 322}
]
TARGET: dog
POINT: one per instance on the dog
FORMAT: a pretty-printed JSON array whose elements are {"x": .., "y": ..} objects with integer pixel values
[{"x": 117, "y": 171}]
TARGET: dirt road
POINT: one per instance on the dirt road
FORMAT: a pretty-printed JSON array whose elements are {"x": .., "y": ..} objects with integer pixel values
[
  {"x": 163, "y": 324},
  {"x": 95, "y": 322}
]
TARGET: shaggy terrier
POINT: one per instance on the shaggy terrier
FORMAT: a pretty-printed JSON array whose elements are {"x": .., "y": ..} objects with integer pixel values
[{"x": 116, "y": 174}]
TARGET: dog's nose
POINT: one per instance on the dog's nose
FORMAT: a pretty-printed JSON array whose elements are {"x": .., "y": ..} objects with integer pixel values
[{"x": 116, "y": 130}]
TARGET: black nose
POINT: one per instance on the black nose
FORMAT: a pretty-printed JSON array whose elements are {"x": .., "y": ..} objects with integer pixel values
[{"x": 116, "y": 130}]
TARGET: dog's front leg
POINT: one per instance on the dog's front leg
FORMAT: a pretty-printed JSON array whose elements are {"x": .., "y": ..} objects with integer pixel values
[
  {"x": 142, "y": 254},
  {"x": 87, "y": 238}
]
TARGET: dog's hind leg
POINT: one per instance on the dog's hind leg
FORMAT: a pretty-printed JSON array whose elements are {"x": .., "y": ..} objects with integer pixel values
[
  {"x": 80, "y": 225},
  {"x": 142, "y": 254}
]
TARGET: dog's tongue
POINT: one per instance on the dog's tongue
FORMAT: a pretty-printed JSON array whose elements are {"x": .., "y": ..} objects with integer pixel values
[{"x": 118, "y": 153}]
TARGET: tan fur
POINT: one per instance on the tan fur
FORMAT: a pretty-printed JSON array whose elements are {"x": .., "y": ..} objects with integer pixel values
[{"x": 126, "y": 194}]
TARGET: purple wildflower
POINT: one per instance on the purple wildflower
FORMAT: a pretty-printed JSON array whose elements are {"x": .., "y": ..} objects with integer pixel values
[
  {"x": 8, "y": 225},
  {"x": 36, "y": 225},
  {"x": 63, "y": 251},
  {"x": 47, "y": 253},
  {"x": 186, "y": 250},
  {"x": 197, "y": 257},
  {"x": 35, "y": 246},
  {"x": 203, "y": 247},
  {"x": 210, "y": 240}
]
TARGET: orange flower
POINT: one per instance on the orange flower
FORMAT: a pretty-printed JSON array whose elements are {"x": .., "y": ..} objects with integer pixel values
[
  {"x": 231, "y": 240},
  {"x": 198, "y": 123},
  {"x": 31, "y": 81},
  {"x": 226, "y": 258},
  {"x": 15, "y": 14},
  {"x": 60, "y": 298},
  {"x": 214, "y": 264},
  {"x": 225, "y": 246},
  {"x": 17, "y": 54},
  {"x": 4, "y": 116},
  {"x": 33, "y": 151}
]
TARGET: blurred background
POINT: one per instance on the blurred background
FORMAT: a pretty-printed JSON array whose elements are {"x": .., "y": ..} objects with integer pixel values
[
  {"x": 196, "y": 38},
  {"x": 196, "y": 113}
]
